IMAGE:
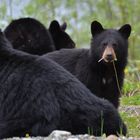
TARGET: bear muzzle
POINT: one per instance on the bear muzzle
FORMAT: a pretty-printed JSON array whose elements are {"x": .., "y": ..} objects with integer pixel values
[{"x": 108, "y": 55}]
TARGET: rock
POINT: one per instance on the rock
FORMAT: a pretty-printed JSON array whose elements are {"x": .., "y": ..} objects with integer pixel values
[
  {"x": 59, "y": 135},
  {"x": 64, "y": 135},
  {"x": 112, "y": 137}
]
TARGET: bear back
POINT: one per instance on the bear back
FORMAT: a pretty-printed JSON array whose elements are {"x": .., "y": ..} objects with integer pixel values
[
  {"x": 30, "y": 35},
  {"x": 38, "y": 96}
]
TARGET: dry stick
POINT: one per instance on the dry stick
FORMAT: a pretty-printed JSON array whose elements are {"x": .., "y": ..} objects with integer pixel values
[
  {"x": 117, "y": 78},
  {"x": 100, "y": 60}
]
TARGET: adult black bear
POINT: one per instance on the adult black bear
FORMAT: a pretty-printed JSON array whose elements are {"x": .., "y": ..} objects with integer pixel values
[
  {"x": 93, "y": 66},
  {"x": 30, "y": 35},
  {"x": 38, "y": 96}
]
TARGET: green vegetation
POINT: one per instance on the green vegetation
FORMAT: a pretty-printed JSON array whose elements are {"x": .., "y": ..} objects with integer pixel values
[
  {"x": 131, "y": 97},
  {"x": 133, "y": 124},
  {"x": 131, "y": 88},
  {"x": 131, "y": 100}
]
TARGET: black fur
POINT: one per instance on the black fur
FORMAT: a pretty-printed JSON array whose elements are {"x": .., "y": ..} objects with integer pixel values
[
  {"x": 60, "y": 37},
  {"x": 30, "y": 35},
  {"x": 38, "y": 96},
  {"x": 99, "y": 77}
]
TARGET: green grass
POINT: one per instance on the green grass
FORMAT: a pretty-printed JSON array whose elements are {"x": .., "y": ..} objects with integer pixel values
[
  {"x": 131, "y": 97},
  {"x": 133, "y": 124},
  {"x": 131, "y": 87},
  {"x": 132, "y": 121},
  {"x": 131, "y": 100}
]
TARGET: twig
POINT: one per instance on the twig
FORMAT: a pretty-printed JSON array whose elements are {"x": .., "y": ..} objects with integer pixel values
[{"x": 117, "y": 78}]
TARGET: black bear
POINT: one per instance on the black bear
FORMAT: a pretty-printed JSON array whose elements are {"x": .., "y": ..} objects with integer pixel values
[
  {"x": 38, "y": 96},
  {"x": 94, "y": 66},
  {"x": 60, "y": 37},
  {"x": 30, "y": 35}
]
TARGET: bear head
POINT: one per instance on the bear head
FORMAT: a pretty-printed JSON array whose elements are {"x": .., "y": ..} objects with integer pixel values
[
  {"x": 109, "y": 45},
  {"x": 60, "y": 37},
  {"x": 29, "y": 35}
]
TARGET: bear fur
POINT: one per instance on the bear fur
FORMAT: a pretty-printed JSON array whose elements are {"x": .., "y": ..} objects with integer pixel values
[
  {"x": 30, "y": 35},
  {"x": 60, "y": 37},
  {"x": 38, "y": 96},
  {"x": 94, "y": 66}
]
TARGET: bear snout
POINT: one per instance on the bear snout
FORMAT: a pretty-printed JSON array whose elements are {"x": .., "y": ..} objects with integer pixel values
[{"x": 109, "y": 55}]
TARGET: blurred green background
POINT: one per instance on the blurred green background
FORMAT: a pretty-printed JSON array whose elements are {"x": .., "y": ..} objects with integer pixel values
[{"x": 79, "y": 14}]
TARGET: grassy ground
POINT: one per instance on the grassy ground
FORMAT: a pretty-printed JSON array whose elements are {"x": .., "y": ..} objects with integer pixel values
[
  {"x": 131, "y": 116},
  {"x": 133, "y": 124},
  {"x": 131, "y": 99}
]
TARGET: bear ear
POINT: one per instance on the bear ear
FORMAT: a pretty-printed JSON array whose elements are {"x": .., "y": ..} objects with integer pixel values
[
  {"x": 96, "y": 28},
  {"x": 125, "y": 30},
  {"x": 54, "y": 26},
  {"x": 64, "y": 26}
]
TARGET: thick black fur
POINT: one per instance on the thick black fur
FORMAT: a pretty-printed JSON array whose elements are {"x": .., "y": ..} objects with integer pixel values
[
  {"x": 60, "y": 37},
  {"x": 30, "y": 35},
  {"x": 99, "y": 77},
  {"x": 38, "y": 96}
]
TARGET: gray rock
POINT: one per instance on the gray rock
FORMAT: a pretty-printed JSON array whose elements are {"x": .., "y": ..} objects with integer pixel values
[{"x": 64, "y": 135}]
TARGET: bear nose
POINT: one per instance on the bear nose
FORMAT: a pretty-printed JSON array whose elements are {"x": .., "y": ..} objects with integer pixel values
[
  {"x": 109, "y": 57},
  {"x": 109, "y": 54}
]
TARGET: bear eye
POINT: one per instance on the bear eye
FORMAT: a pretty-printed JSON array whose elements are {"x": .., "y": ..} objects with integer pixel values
[
  {"x": 114, "y": 44},
  {"x": 104, "y": 44}
]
